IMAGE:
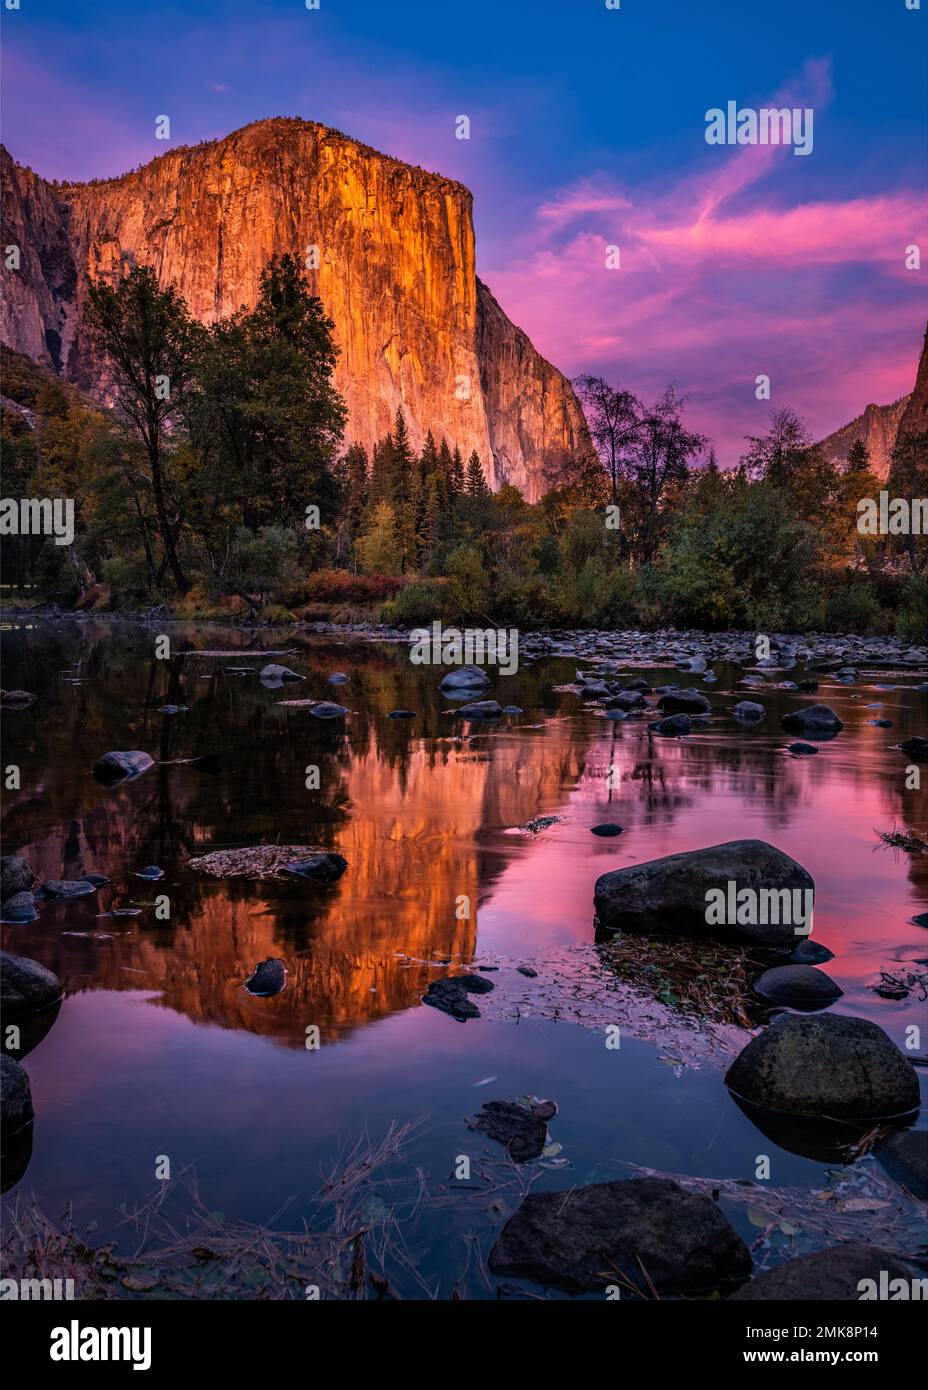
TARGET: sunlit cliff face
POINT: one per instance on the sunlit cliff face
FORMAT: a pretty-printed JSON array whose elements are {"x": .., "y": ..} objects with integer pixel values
[{"x": 389, "y": 250}]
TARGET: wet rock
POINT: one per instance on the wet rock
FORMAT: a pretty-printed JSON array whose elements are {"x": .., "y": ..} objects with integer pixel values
[
  {"x": 272, "y": 674},
  {"x": 450, "y": 997},
  {"x": 324, "y": 867},
  {"x": 268, "y": 978},
  {"x": 25, "y": 985},
  {"x": 827, "y": 1065},
  {"x": 527, "y": 971},
  {"x": 606, "y": 829},
  {"x": 644, "y": 1229},
  {"x": 596, "y": 690},
  {"x": 66, "y": 888},
  {"x": 337, "y": 678},
  {"x": 921, "y": 920},
  {"x": 464, "y": 679},
  {"x": 122, "y": 767},
  {"x": 479, "y": 709},
  {"x": 684, "y": 702},
  {"x": 811, "y": 952},
  {"x": 16, "y": 876},
  {"x": 917, "y": 748},
  {"x": 15, "y": 1097},
  {"x": 749, "y": 711},
  {"x": 473, "y": 984},
  {"x": 832, "y": 1276},
  {"x": 668, "y": 895},
  {"x": 815, "y": 721},
  {"x": 696, "y": 664},
  {"x": 522, "y": 1132},
  {"x": 626, "y": 700},
  {"x": 674, "y": 726},
  {"x": 808, "y": 686},
  {"x": 324, "y": 709},
  {"x": 802, "y": 750},
  {"x": 19, "y": 910},
  {"x": 173, "y": 709},
  {"x": 881, "y": 723},
  {"x": 401, "y": 714},
  {"x": 150, "y": 871},
  {"x": 639, "y": 684},
  {"x": 512, "y": 709},
  {"x": 904, "y": 1155},
  {"x": 615, "y": 714},
  {"x": 799, "y": 986}
]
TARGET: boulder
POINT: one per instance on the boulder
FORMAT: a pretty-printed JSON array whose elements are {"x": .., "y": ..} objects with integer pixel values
[
  {"x": 828, "y": 1066},
  {"x": 479, "y": 709},
  {"x": 815, "y": 721},
  {"x": 273, "y": 674},
  {"x": 122, "y": 766},
  {"x": 607, "y": 829},
  {"x": 829, "y": 1276},
  {"x": 798, "y": 986},
  {"x": 749, "y": 712},
  {"x": 917, "y": 748},
  {"x": 674, "y": 726},
  {"x": 324, "y": 867},
  {"x": 65, "y": 888},
  {"x": 646, "y": 1230},
  {"x": 904, "y": 1155},
  {"x": 809, "y": 952},
  {"x": 19, "y": 910},
  {"x": 668, "y": 895},
  {"x": 15, "y": 1097},
  {"x": 325, "y": 709},
  {"x": 802, "y": 750},
  {"x": 25, "y": 985},
  {"x": 450, "y": 996},
  {"x": 268, "y": 978},
  {"x": 13, "y": 699},
  {"x": 16, "y": 876},
  {"x": 626, "y": 700},
  {"x": 684, "y": 702},
  {"x": 463, "y": 679}
]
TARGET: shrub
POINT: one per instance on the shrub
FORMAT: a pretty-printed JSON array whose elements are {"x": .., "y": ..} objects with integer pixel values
[{"x": 341, "y": 586}]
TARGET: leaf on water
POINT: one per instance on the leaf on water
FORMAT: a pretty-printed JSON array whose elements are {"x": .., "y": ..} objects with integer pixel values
[
  {"x": 789, "y": 1229},
  {"x": 758, "y": 1217},
  {"x": 552, "y": 1150},
  {"x": 862, "y": 1204},
  {"x": 485, "y": 1081}
]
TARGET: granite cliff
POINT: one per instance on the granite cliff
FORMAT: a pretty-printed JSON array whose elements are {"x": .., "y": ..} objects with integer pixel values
[{"x": 396, "y": 272}]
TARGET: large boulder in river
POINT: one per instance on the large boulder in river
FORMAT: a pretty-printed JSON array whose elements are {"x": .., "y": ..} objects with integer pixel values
[
  {"x": 684, "y": 702},
  {"x": 646, "y": 1230},
  {"x": 829, "y": 1276},
  {"x": 669, "y": 895},
  {"x": 464, "y": 679},
  {"x": 122, "y": 766},
  {"x": 25, "y": 985},
  {"x": 825, "y": 1066},
  {"x": 15, "y": 1097},
  {"x": 16, "y": 876},
  {"x": 814, "y": 721}
]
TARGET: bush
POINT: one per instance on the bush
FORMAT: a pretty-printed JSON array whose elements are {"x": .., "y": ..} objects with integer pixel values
[
  {"x": 854, "y": 607},
  {"x": 421, "y": 602},
  {"x": 341, "y": 586}
]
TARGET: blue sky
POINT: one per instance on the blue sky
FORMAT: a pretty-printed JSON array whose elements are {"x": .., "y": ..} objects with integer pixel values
[{"x": 587, "y": 128}]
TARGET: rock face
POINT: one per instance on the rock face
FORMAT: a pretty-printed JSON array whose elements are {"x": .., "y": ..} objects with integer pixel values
[
  {"x": 827, "y": 1065},
  {"x": 827, "y": 1276},
  {"x": 878, "y": 427},
  {"x": 396, "y": 273},
  {"x": 568, "y": 1241},
  {"x": 669, "y": 895}
]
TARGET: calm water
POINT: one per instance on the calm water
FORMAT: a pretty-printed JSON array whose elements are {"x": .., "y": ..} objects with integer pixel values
[{"x": 157, "y": 1049}]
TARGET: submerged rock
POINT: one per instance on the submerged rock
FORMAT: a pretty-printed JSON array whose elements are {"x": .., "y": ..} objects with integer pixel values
[
  {"x": 668, "y": 895},
  {"x": 904, "y": 1155},
  {"x": 337, "y": 678},
  {"x": 800, "y": 986},
  {"x": 401, "y": 714},
  {"x": 16, "y": 876},
  {"x": 122, "y": 766},
  {"x": 268, "y": 978},
  {"x": 829, "y": 1065},
  {"x": 916, "y": 747},
  {"x": 150, "y": 871},
  {"x": 643, "y": 1229},
  {"x": 15, "y": 1097},
  {"x": 522, "y": 1131},
  {"x": 324, "y": 709},
  {"x": 828, "y": 1276},
  {"x": 450, "y": 995},
  {"x": 465, "y": 678},
  {"x": 173, "y": 709},
  {"x": 802, "y": 750},
  {"x": 272, "y": 674},
  {"x": 25, "y": 985},
  {"x": 324, "y": 867},
  {"x": 815, "y": 721},
  {"x": 607, "y": 829}
]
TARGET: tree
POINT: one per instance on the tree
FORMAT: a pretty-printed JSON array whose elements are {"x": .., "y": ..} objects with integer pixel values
[
  {"x": 475, "y": 484},
  {"x": 858, "y": 458},
  {"x": 377, "y": 547},
  {"x": 658, "y": 465},
  {"x": 151, "y": 345},
  {"x": 614, "y": 418}
]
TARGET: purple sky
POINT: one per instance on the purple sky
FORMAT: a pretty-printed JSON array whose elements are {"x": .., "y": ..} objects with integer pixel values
[{"x": 587, "y": 130}]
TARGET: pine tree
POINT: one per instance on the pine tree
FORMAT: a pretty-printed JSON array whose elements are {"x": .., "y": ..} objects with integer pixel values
[
  {"x": 357, "y": 483},
  {"x": 858, "y": 457},
  {"x": 457, "y": 472},
  {"x": 475, "y": 484}
]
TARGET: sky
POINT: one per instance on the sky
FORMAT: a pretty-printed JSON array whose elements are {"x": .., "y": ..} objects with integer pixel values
[{"x": 587, "y": 130}]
